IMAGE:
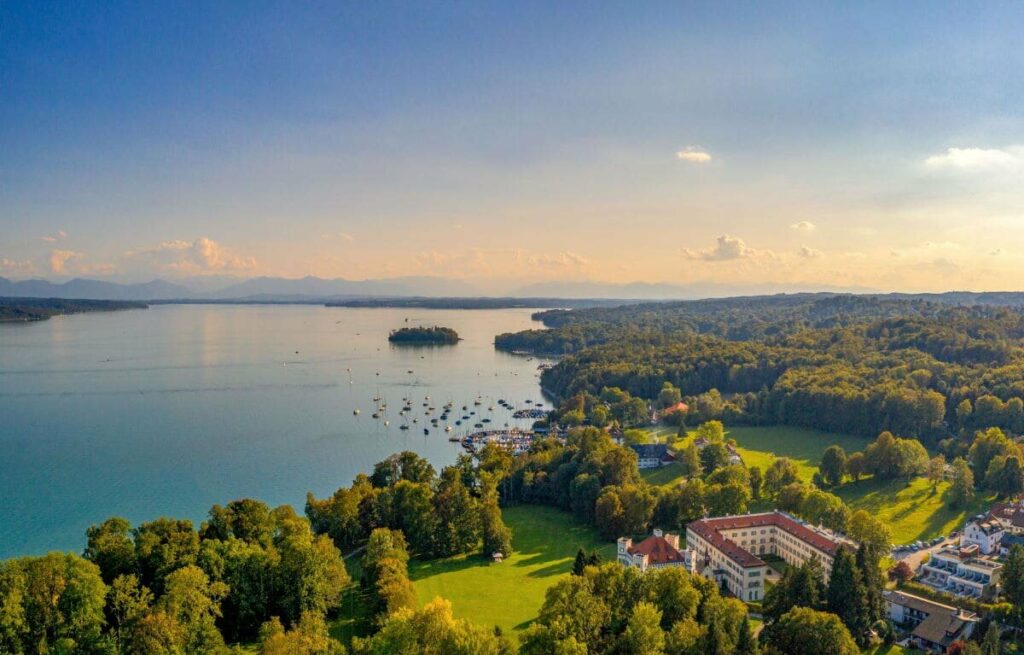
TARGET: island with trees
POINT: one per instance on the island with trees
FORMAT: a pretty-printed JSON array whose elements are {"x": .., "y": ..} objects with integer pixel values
[{"x": 422, "y": 335}]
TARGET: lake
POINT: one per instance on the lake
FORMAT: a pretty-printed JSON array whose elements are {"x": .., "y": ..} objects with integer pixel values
[{"x": 168, "y": 410}]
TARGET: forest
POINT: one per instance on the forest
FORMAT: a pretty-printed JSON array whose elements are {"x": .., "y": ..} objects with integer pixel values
[
  {"x": 424, "y": 335},
  {"x": 851, "y": 364},
  {"x": 40, "y": 309}
]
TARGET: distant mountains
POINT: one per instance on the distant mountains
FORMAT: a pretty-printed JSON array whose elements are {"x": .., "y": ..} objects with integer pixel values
[
  {"x": 415, "y": 289},
  {"x": 256, "y": 289}
]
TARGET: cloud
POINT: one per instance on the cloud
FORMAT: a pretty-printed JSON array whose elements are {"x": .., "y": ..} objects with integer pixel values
[
  {"x": 344, "y": 236},
  {"x": 809, "y": 253},
  {"x": 694, "y": 154},
  {"x": 59, "y": 260},
  {"x": 501, "y": 262},
  {"x": 54, "y": 237},
  {"x": 726, "y": 248},
  {"x": 803, "y": 226},
  {"x": 978, "y": 159},
  {"x": 17, "y": 267},
  {"x": 198, "y": 257}
]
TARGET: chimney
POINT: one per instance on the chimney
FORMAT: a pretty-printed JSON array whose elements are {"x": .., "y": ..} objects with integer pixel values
[{"x": 658, "y": 532}]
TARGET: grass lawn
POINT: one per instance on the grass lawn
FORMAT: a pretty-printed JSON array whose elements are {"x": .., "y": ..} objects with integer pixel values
[
  {"x": 510, "y": 594},
  {"x": 891, "y": 650},
  {"x": 760, "y": 446},
  {"x": 664, "y": 476},
  {"x": 913, "y": 511}
]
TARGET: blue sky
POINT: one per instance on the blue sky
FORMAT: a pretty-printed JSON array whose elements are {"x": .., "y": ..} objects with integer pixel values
[{"x": 859, "y": 144}]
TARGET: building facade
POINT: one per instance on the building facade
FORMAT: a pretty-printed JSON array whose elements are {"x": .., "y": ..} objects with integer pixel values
[
  {"x": 650, "y": 456},
  {"x": 728, "y": 548},
  {"x": 932, "y": 626},
  {"x": 660, "y": 550},
  {"x": 985, "y": 533},
  {"x": 962, "y": 572}
]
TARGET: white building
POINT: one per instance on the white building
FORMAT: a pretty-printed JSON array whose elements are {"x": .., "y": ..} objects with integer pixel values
[
  {"x": 660, "y": 550},
  {"x": 652, "y": 455},
  {"x": 727, "y": 548},
  {"x": 962, "y": 572},
  {"x": 985, "y": 533}
]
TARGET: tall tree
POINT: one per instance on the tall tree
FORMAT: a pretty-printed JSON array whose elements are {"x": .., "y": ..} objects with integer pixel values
[
  {"x": 847, "y": 597},
  {"x": 961, "y": 490}
]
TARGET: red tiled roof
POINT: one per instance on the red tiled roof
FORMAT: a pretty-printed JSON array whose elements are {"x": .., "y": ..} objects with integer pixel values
[
  {"x": 1007, "y": 512},
  {"x": 658, "y": 551},
  {"x": 709, "y": 530},
  {"x": 678, "y": 407}
]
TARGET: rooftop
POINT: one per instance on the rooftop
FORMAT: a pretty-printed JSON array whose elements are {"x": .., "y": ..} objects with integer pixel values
[
  {"x": 658, "y": 550},
  {"x": 710, "y": 529}
]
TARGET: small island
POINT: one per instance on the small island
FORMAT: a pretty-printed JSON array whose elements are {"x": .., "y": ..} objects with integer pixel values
[
  {"x": 424, "y": 335},
  {"x": 23, "y": 310}
]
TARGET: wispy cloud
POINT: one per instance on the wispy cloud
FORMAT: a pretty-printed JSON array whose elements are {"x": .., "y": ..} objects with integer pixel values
[
  {"x": 803, "y": 226},
  {"x": 344, "y": 236},
  {"x": 809, "y": 253},
  {"x": 694, "y": 154},
  {"x": 978, "y": 159},
  {"x": 55, "y": 236}
]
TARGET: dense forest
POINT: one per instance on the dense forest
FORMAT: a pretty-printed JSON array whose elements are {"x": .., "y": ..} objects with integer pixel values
[
  {"x": 424, "y": 335},
  {"x": 849, "y": 364},
  {"x": 40, "y": 309}
]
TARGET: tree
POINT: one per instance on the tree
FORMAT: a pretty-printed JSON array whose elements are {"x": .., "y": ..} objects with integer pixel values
[
  {"x": 847, "y": 597},
  {"x": 856, "y": 466},
  {"x": 610, "y": 515},
  {"x": 990, "y": 644},
  {"x": 310, "y": 575},
  {"x": 804, "y": 631},
  {"x": 961, "y": 490},
  {"x": 727, "y": 499},
  {"x": 433, "y": 630},
  {"x": 833, "y": 465},
  {"x": 127, "y": 603},
  {"x": 109, "y": 546},
  {"x": 458, "y": 518},
  {"x": 163, "y": 546},
  {"x": 756, "y": 480},
  {"x": 580, "y": 563},
  {"x": 712, "y": 431},
  {"x": 746, "y": 644},
  {"x": 713, "y": 455},
  {"x": 193, "y": 602},
  {"x": 987, "y": 446},
  {"x": 783, "y": 471},
  {"x": 246, "y": 519},
  {"x": 669, "y": 396},
  {"x": 799, "y": 586},
  {"x": 309, "y": 637},
  {"x": 643, "y": 634},
  {"x": 63, "y": 599},
  {"x": 1013, "y": 577},
  {"x": 902, "y": 572},
  {"x": 691, "y": 461},
  {"x": 1005, "y": 475},
  {"x": 869, "y": 563},
  {"x": 936, "y": 470},
  {"x": 157, "y": 633},
  {"x": 497, "y": 538}
]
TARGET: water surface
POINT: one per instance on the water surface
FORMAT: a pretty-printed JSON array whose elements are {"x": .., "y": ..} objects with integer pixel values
[{"x": 165, "y": 411}]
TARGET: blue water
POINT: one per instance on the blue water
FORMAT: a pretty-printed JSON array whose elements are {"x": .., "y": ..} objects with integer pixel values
[{"x": 166, "y": 411}]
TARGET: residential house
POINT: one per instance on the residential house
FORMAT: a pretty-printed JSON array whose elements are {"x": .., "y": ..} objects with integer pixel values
[
  {"x": 933, "y": 626},
  {"x": 985, "y": 533},
  {"x": 652, "y": 455}
]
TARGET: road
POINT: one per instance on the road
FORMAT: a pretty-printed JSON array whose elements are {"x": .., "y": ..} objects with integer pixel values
[{"x": 915, "y": 559}]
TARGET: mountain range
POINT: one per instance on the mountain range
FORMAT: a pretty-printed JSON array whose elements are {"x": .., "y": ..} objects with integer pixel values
[{"x": 313, "y": 289}]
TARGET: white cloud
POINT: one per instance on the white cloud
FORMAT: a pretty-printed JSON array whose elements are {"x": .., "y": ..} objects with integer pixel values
[
  {"x": 978, "y": 159},
  {"x": 59, "y": 260},
  {"x": 694, "y": 154},
  {"x": 726, "y": 248},
  {"x": 803, "y": 226},
  {"x": 17, "y": 267},
  {"x": 809, "y": 253},
  {"x": 54, "y": 237},
  {"x": 198, "y": 257}
]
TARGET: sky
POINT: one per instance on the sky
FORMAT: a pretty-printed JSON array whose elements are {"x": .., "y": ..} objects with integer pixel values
[{"x": 860, "y": 145}]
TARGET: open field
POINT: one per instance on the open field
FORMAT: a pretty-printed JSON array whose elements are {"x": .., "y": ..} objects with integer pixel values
[
  {"x": 759, "y": 446},
  {"x": 912, "y": 510},
  {"x": 510, "y": 594}
]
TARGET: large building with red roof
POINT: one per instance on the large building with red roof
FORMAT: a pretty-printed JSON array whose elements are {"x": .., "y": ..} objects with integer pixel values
[
  {"x": 658, "y": 551},
  {"x": 728, "y": 548}
]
